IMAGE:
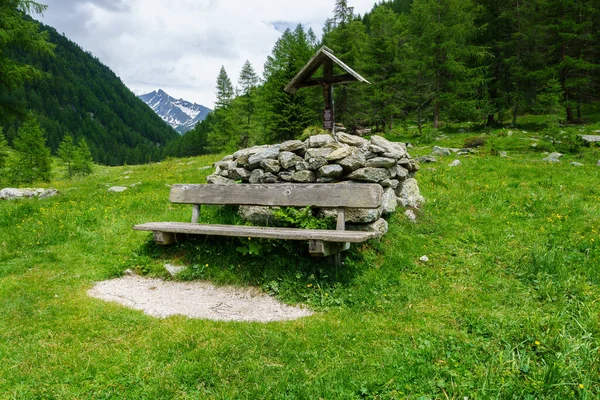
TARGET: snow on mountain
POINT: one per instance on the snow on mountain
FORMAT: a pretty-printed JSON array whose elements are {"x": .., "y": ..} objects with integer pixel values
[{"x": 180, "y": 114}]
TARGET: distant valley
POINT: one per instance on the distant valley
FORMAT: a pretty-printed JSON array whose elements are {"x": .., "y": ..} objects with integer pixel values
[{"x": 181, "y": 115}]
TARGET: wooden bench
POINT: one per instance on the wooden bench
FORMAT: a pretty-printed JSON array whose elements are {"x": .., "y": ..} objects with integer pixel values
[{"x": 321, "y": 242}]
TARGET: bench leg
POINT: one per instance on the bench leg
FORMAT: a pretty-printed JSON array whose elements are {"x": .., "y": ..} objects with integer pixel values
[
  {"x": 319, "y": 248},
  {"x": 164, "y": 237}
]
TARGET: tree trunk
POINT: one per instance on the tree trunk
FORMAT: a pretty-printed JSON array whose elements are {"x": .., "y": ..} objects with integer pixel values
[
  {"x": 578, "y": 111},
  {"x": 569, "y": 110},
  {"x": 436, "y": 114},
  {"x": 514, "y": 115},
  {"x": 490, "y": 120}
]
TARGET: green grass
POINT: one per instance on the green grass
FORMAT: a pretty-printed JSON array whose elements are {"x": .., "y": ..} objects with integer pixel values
[{"x": 507, "y": 306}]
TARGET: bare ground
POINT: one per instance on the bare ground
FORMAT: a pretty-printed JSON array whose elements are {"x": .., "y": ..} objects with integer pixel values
[{"x": 203, "y": 300}]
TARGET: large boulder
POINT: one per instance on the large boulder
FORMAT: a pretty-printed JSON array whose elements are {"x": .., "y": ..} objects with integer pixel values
[
  {"x": 304, "y": 176},
  {"x": 369, "y": 174},
  {"x": 351, "y": 140},
  {"x": 380, "y": 226},
  {"x": 388, "y": 201},
  {"x": 408, "y": 194},
  {"x": 319, "y": 140}
]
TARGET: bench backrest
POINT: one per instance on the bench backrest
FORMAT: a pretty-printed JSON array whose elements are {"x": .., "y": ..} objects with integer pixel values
[{"x": 355, "y": 195}]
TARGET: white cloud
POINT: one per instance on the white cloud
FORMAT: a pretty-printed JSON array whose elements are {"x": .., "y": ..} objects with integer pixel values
[{"x": 180, "y": 45}]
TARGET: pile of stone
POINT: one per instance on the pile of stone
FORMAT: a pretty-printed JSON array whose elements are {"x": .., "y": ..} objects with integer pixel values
[
  {"x": 15, "y": 194},
  {"x": 323, "y": 159}
]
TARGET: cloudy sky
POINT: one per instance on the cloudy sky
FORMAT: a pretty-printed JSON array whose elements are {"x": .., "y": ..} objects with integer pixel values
[{"x": 180, "y": 45}]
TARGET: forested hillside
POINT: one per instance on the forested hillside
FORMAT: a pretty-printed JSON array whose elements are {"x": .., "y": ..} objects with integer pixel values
[
  {"x": 430, "y": 62},
  {"x": 82, "y": 97}
]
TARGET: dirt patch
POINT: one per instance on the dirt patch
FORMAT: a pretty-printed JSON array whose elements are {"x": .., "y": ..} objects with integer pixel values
[{"x": 162, "y": 299}]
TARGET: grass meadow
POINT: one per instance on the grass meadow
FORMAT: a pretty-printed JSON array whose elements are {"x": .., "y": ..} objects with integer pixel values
[{"x": 507, "y": 307}]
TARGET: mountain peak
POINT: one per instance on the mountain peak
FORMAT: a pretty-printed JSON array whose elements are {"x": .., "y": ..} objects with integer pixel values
[{"x": 180, "y": 114}]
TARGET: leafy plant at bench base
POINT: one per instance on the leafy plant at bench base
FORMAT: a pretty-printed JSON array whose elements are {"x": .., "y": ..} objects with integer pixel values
[{"x": 303, "y": 218}]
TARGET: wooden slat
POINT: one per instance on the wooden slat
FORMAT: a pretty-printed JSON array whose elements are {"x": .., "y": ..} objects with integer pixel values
[
  {"x": 195, "y": 213},
  {"x": 356, "y": 195},
  {"x": 257, "y": 231}
]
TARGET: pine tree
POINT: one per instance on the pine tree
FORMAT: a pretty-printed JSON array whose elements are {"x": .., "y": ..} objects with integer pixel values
[
  {"x": 441, "y": 34},
  {"x": 248, "y": 81},
  {"x": 66, "y": 153},
  {"x": 224, "y": 89},
  {"x": 3, "y": 149},
  {"x": 18, "y": 32},
  {"x": 286, "y": 115},
  {"x": 32, "y": 161},
  {"x": 82, "y": 159}
]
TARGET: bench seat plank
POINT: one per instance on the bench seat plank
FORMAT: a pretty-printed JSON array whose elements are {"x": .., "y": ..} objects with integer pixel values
[
  {"x": 258, "y": 231},
  {"x": 356, "y": 195}
]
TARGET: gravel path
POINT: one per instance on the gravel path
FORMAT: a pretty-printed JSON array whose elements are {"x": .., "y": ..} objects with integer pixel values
[{"x": 162, "y": 299}]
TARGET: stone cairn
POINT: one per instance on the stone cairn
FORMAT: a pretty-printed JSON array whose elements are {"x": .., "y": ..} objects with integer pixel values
[{"x": 322, "y": 159}]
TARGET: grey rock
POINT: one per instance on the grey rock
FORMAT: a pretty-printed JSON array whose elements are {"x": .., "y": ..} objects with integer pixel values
[
  {"x": 219, "y": 180},
  {"x": 388, "y": 201},
  {"x": 319, "y": 140},
  {"x": 250, "y": 151},
  {"x": 351, "y": 140},
  {"x": 395, "y": 150},
  {"x": 223, "y": 172},
  {"x": 398, "y": 171},
  {"x": 242, "y": 161},
  {"x": 330, "y": 171},
  {"x": 292, "y": 145},
  {"x": 503, "y": 154},
  {"x": 553, "y": 157},
  {"x": 271, "y": 166},
  {"x": 368, "y": 174},
  {"x": 455, "y": 163},
  {"x": 591, "y": 138},
  {"x": 239, "y": 174},
  {"x": 174, "y": 269},
  {"x": 304, "y": 176},
  {"x": 598, "y": 163},
  {"x": 340, "y": 153},
  {"x": 257, "y": 214},
  {"x": 326, "y": 180},
  {"x": 268, "y": 153},
  {"x": 393, "y": 183},
  {"x": 13, "y": 193},
  {"x": 286, "y": 176},
  {"x": 49, "y": 193},
  {"x": 228, "y": 158},
  {"x": 440, "y": 151},
  {"x": 380, "y": 226},
  {"x": 363, "y": 215},
  {"x": 317, "y": 152},
  {"x": 411, "y": 215},
  {"x": 373, "y": 148},
  {"x": 352, "y": 163},
  {"x": 287, "y": 159},
  {"x": 427, "y": 159},
  {"x": 316, "y": 163},
  {"x": 380, "y": 162},
  {"x": 119, "y": 189},
  {"x": 268, "y": 178},
  {"x": 408, "y": 194},
  {"x": 256, "y": 176},
  {"x": 577, "y": 164},
  {"x": 302, "y": 165}
]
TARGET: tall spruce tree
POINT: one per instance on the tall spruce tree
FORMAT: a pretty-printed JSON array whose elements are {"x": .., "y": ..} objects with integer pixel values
[
  {"x": 82, "y": 159},
  {"x": 247, "y": 82},
  {"x": 286, "y": 115},
  {"x": 32, "y": 162},
  {"x": 66, "y": 154},
  {"x": 18, "y": 32},
  {"x": 441, "y": 34},
  {"x": 3, "y": 149},
  {"x": 224, "y": 89}
]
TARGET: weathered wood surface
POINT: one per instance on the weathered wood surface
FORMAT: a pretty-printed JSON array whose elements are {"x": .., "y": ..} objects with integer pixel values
[
  {"x": 319, "y": 248},
  {"x": 257, "y": 231},
  {"x": 355, "y": 195}
]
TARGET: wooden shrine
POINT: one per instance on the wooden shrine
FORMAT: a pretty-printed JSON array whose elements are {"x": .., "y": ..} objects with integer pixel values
[{"x": 325, "y": 58}]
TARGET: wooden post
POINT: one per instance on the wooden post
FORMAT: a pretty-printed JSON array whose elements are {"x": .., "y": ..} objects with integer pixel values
[
  {"x": 328, "y": 114},
  {"x": 195, "y": 213}
]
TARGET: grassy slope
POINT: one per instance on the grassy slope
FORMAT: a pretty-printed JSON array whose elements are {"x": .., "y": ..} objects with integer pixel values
[{"x": 506, "y": 307}]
